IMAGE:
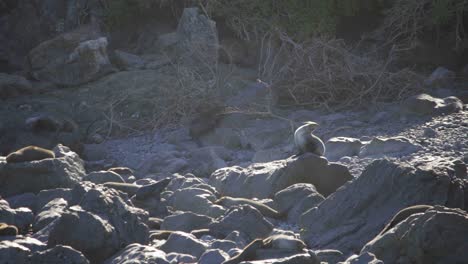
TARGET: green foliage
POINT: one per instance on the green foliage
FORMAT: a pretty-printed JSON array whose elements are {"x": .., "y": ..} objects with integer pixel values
[{"x": 299, "y": 18}]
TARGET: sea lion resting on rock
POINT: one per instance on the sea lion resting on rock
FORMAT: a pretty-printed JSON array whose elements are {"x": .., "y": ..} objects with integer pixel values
[
  {"x": 29, "y": 153},
  {"x": 8, "y": 230},
  {"x": 307, "y": 142},
  {"x": 280, "y": 242},
  {"x": 127, "y": 188},
  {"x": 405, "y": 213},
  {"x": 267, "y": 211}
]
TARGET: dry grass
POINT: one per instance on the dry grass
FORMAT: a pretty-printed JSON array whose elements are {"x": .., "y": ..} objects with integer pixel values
[{"x": 326, "y": 73}]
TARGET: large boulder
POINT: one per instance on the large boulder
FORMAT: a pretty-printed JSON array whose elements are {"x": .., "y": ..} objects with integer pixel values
[
  {"x": 13, "y": 85},
  {"x": 338, "y": 147},
  {"x": 59, "y": 254},
  {"x": 197, "y": 38},
  {"x": 184, "y": 243},
  {"x": 116, "y": 208},
  {"x": 65, "y": 170},
  {"x": 263, "y": 180},
  {"x": 136, "y": 254},
  {"x": 71, "y": 59},
  {"x": 94, "y": 236},
  {"x": 437, "y": 236},
  {"x": 51, "y": 211},
  {"x": 196, "y": 200},
  {"x": 245, "y": 219},
  {"x": 424, "y": 104},
  {"x": 359, "y": 210},
  {"x": 185, "y": 221},
  {"x": 398, "y": 146}
]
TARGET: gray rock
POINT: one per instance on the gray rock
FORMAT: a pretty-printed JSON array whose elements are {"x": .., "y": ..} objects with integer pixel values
[
  {"x": 346, "y": 221},
  {"x": 364, "y": 258},
  {"x": 440, "y": 77},
  {"x": 59, "y": 254},
  {"x": 338, "y": 147},
  {"x": 14, "y": 85},
  {"x": 263, "y": 180},
  {"x": 45, "y": 196},
  {"x": 23, "y": 200},
  {"x": 196, "y": 200},
  {"x": 11, "y": 252},
  {"x": 184, "y": 243},
  {"x": 244, "y": 219},
  {"x": 186, "y": 221},
  {"x": 438, "y": 235},
  {"x": 424, "y": 104},
  {"x": 303, "y": 205},
  {"x": 64, "y": 171},
  {"x": 329, "y": 255},
  {"x": 51, "y": 211},
  {"x": 21, "y": 217},
  {"x": 224, "y": 245},
  {"x": 30, "y": 243},
  {"x": 206, "y": 160},
  {"x": 295, "y": 259},
  {"x": 213, "y": 256},
  {"x": 71, "y": 59},
  {"x": 127, "y": 61},
  {"x": 287, "y": 198},
  {"x": 136, "y": 254},
  {"x": 116, "y": 208},
  {"x": 103, "y": 177},
  {"x": 176, "y": 258},
  {"x": 95, "y": 237},
  {"x": 398, "y": 146},
  {"x": 198, "y": 38}
]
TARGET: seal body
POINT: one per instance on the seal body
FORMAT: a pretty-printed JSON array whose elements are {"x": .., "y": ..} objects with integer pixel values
[
  {"x": 267, "y": 211},
  {"x": 405, "y": 213},
  {"x": 29, "y": 153},
  {"x": 306, "y": 141}
]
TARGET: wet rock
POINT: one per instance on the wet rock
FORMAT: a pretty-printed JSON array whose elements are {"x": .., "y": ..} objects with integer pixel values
[
  {"x": 346, "y": 221},
  {"x": 437, "y": 235},
  {"x": 59, "y": 254},
  {"x": 127, "y": 61},
  {"x": 186, "y": 221},
  {"x": 95, "y": 237},
  {"x": 103, "y": 177},
  {"x": 64, "y": 171},
  {"x": 424, "y": 104},
  {"x": 263, "y": 180},
  {"x": 389, "y": 146},
  {"x": 137, "y": 253},
  {"x": 244, "y": 219},
  {"x": 70, "y": 59},
  {"x": 14, "y": 85},
  {"x": 213, "y": 256},
  {"x": 184, "y": 243},
  {"x": 338, "y": 147}
]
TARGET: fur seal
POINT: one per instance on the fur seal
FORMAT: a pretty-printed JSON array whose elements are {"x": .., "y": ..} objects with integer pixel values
[
  {"x": 280, "y": 242},
  {"x": 405, "y": 213},
  {"x": 152, "y": 190},
  {"x": 127, "y": 188},
  {"x": 8, "y": 230},
  {"x": 306, "y": 141},
  {"x": 267, "y": 211},
  {"x": 29, "y": 153}
]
